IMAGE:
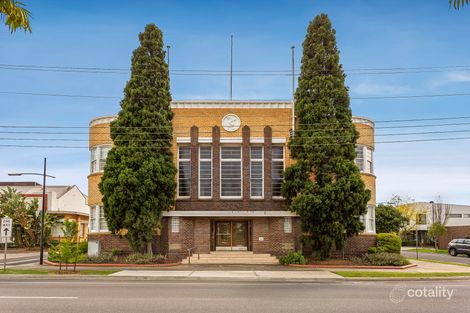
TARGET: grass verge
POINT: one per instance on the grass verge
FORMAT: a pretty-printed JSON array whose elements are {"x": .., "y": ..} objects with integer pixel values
[
  {"x": 52, "y": 272},
  {"x": 430, "y": 250},
  {"x": 352, "y": 274}
]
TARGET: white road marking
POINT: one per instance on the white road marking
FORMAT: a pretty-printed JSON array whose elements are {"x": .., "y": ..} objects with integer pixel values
[{"x": 37, "y": 297}]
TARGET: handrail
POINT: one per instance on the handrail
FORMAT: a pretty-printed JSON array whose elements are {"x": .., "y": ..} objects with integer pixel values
[{"x": 190, "y": 253}]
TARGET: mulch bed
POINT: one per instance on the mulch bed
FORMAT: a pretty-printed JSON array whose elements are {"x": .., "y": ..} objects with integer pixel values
[{"x": 113, "y": 264}]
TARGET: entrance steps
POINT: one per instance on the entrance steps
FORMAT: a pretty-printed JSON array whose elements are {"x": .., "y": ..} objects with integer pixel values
[{"x": 232, "y": 257}]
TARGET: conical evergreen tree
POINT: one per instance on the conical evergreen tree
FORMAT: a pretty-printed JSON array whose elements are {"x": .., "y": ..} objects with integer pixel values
[
  {"x": 324, "y": 185},
  {"x": 139, "y": 177}
]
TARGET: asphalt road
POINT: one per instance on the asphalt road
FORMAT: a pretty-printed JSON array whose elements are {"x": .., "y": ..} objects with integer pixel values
[
  {"x": 196, "y": 297},
  {"x": 437, "y": 256}
]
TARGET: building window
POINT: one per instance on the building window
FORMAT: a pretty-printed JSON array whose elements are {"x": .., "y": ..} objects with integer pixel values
[
  {"x": 454, "y": 215},
  {"x": 364, "y": 159},
  {"x": 277, "y": 169},
  {"x": 421, "y": 219},
  {"x": 205, "y": 172},
  {"x": 184, "y": 171},
  {"x": 231, "y": 172},
  {"x": 371, "y": 213},
  {"x": 288, "y": 225},
  {"x": 102, "y": 222},
  {"x": 92, "y": 224},
  {"x": 256, "y": 172},
  {"x": 98, "y": 158},
  {"x": 175, "y": 224}
]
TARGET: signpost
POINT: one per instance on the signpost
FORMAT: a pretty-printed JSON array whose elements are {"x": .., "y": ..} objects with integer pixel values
[{"x": 5, "y": 235}]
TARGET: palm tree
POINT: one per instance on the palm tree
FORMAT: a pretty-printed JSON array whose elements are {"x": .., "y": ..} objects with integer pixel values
[
  {"x": 458, "y": 3},
  {"x": 14, "y": 14}
]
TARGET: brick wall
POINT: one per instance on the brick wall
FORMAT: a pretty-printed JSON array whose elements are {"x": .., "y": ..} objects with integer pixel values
[
  {"x": 108, "y": 242},
  {"x": 452, "y": 233},
  {"x": 356, "y": 246}
]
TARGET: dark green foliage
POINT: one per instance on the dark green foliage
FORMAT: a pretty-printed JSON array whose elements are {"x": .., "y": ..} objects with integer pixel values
[
  {"x": 384, "y": 259},
  {"x": 387, "y": 242},
  {"x": 324, "y": 186},
  {"x": 388, "y": 219},
  {"x": 134, "y": 258},
  {"x": 139, "y": 176},
  {"x": 292, "y": 258}
]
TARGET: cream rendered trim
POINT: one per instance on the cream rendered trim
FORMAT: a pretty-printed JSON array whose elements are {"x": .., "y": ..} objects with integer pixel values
[{"x": 230, "y": 213}]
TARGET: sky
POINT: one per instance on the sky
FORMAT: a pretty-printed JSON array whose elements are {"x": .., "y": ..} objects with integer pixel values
[{"x": 370, "y": 35}]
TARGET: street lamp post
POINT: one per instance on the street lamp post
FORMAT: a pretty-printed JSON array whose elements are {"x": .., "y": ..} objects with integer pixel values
[{"x": 43, "y": 209}]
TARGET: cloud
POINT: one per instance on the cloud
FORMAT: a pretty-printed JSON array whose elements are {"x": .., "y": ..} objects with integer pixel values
[
  {"x": 376, "y": 89},
  {"x": 450, "y": 78}
]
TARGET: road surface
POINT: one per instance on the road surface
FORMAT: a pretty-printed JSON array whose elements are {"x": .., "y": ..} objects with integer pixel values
[
  {"x": 437, "y": 256},
  {"x": 201, "y": 297}
]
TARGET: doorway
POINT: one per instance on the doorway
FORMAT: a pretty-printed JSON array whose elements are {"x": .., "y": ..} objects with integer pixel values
[{"x": 231, "y": 236}]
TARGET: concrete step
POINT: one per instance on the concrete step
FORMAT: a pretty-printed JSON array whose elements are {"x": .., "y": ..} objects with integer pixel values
[
  {"x": 232, "y": 257},
  {"x": 231, "y": 261}
]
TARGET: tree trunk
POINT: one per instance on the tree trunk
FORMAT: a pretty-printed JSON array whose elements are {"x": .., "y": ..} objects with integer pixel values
[{"x": 149, "y": 248}]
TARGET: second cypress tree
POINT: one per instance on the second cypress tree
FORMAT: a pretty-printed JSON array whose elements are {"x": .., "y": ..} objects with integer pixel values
[{"x": 324, "y": 185}]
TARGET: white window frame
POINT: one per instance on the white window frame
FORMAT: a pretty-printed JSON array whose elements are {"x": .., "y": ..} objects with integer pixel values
[
  {"x": 178, "y": 171},
  {"x": 175, "y": 224},
  {"x": 288, "y": 225},
  {"x": 101, "y": 218},
  {"x": 92, "y": 223},
  {"x": 367, "y": 159},
  {"x": 95, "y": 154},
  {"x": 211, "y": 172},
  {"x": 241, "y": 171},
  {"x": 283, "y": 168},
  {"x": 262, "y": 172}
]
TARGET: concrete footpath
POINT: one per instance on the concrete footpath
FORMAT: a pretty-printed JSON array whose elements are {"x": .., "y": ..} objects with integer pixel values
[{"x": 237, "y": 275}]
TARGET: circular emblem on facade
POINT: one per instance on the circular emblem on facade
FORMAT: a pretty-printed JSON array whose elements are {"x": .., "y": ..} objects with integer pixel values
[{"x": 231, "y": 122}]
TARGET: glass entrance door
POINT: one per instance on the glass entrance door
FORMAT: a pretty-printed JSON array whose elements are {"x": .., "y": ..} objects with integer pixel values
[
  {"x": 231, "y": 235},
  {"x": 223, "y": 235}
]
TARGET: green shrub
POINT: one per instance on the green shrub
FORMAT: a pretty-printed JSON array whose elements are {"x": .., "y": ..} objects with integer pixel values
[
  {"x": 101, "y": 258},
  {"x": 292, "y": 258},
  {"x": 53, "y": 253},
  {"x": 384, "y": 258},
  {"x": 140, "y": 258},
  {"x": 387, "y": 242},
  {"x": 116, "y": 251},
  {"x": 83, "y": 247}
]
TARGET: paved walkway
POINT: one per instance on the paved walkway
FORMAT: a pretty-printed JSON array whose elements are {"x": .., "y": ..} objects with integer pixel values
[
  {"x": 437, "y": 256},
  {"x": 243, "y": 275}
]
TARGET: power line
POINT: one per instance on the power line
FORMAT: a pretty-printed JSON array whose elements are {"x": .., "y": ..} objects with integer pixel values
[
  {"x": 115, "y": 97},
  {"x": 170, "y": 139},
  {"x": 327, "y": 144}
]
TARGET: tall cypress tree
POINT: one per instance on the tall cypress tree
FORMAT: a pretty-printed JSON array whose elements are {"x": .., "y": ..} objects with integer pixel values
[
  {"x": 139, "y": 177},
  {"x": 324, "y": 185}
]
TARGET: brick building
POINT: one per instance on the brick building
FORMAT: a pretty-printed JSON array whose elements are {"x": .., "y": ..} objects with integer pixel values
[{"x": 230, "y": 156}]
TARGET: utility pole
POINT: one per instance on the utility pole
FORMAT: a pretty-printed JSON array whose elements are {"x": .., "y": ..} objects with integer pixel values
[
  {"x": 231, "y": 65},
  {"x": 168, "y": 57},
  {"x": 293, "y": 92}
]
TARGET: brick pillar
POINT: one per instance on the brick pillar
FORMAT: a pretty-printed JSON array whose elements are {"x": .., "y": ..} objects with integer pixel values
[
  {"x": 194, "y": 163},
  {"x": 268, "y": 141},
  {"x": 246, "y": 165},
  {"x": 216, "y": 163}
]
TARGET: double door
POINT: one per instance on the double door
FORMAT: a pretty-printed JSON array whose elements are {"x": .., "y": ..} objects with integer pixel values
[{"x": 231, "y": 235}]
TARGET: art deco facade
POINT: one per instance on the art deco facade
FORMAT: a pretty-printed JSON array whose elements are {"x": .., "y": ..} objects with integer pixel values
[{"x": 230, "y": 157}]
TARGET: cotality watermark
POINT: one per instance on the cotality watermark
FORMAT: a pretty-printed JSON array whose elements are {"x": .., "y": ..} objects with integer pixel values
[{"x": 399, "y": 293}]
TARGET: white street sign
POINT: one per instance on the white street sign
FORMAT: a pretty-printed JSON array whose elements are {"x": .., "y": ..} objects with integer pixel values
[{"x": 6, "y": 227}]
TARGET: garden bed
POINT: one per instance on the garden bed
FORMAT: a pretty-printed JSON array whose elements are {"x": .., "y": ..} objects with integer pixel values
[{"x": 114, "y": 264}]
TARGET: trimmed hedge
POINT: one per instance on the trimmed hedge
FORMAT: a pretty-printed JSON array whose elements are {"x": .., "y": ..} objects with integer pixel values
[
  {"x": 384, "y": 259},
  {"x": 387, "y": 242}
]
